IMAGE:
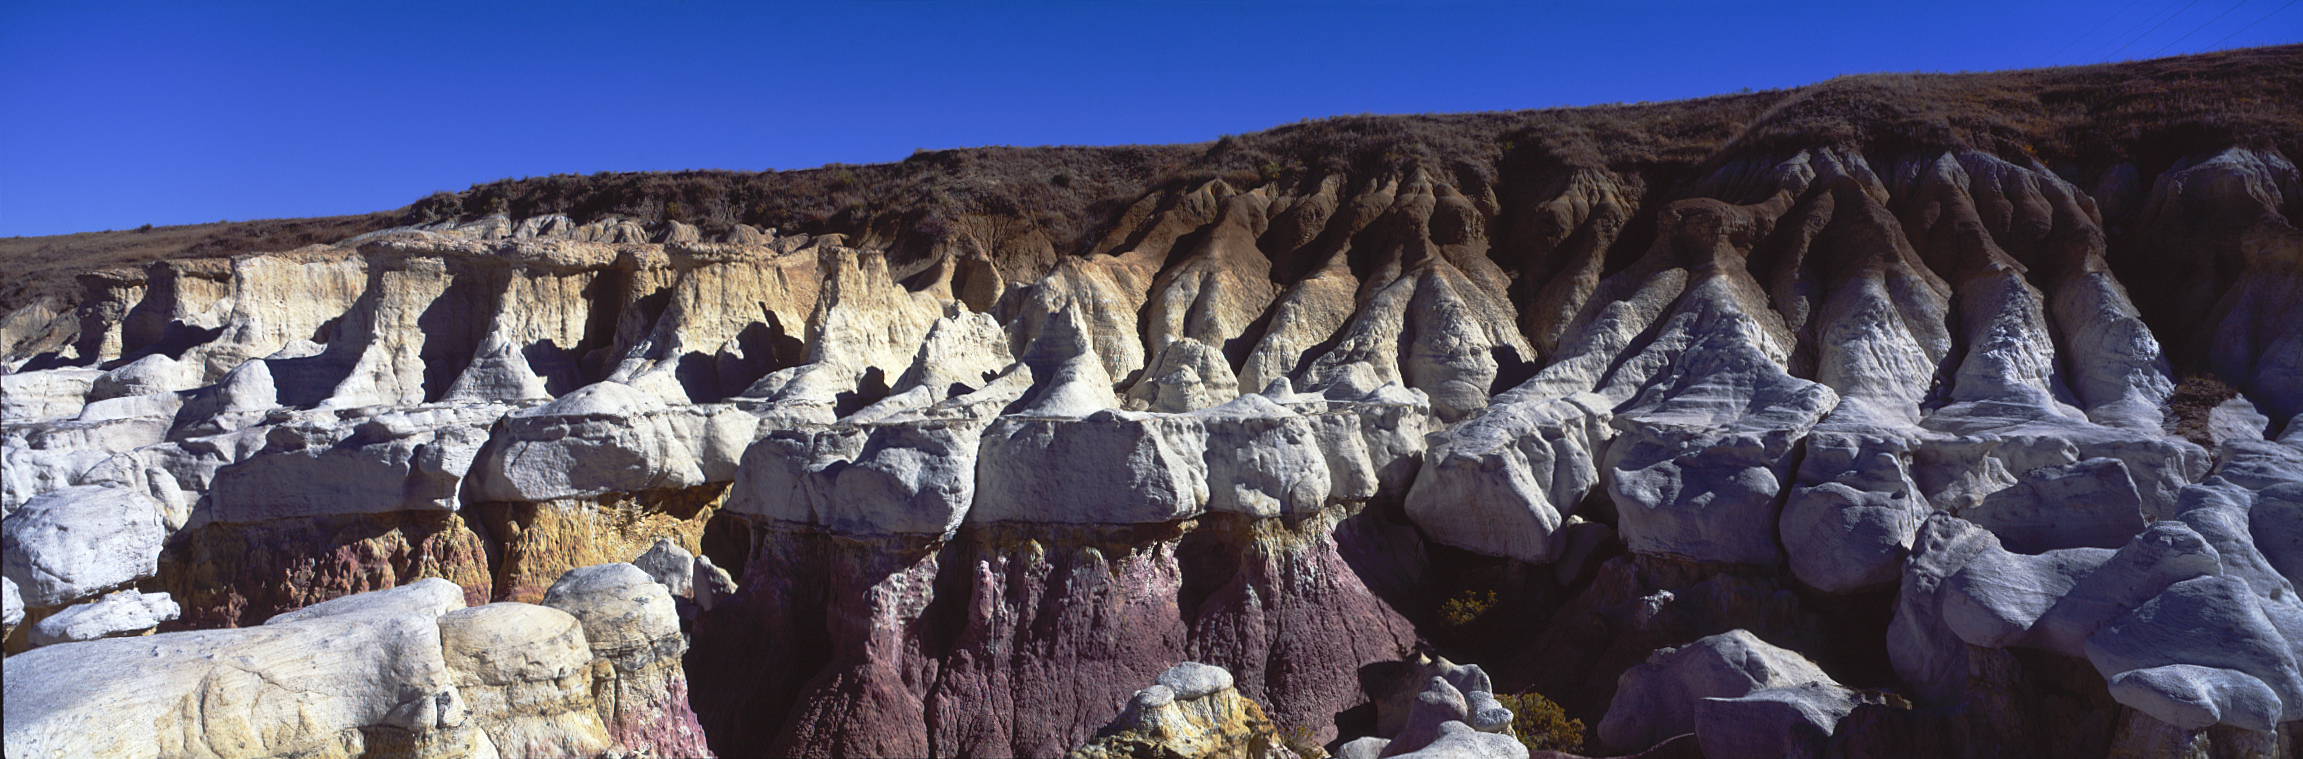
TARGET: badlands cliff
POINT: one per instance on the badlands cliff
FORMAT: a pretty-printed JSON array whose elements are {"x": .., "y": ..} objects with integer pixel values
[{"x": 1826, "y": 422}]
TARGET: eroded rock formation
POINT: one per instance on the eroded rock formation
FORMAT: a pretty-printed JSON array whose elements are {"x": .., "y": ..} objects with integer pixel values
[
  {"x": 409, "y": 671},
  {"x": 1831, "y": 421}
]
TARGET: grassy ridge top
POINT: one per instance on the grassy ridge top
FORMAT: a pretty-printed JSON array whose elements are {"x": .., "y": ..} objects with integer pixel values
[
  {"x": 47, "y": 267},
  {"x": 2150, "y": 113},
  {"x": 2076, "y": 119}
]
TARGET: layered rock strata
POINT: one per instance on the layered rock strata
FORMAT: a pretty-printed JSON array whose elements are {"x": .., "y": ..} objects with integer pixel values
[{"x": 1248, "y": 427}]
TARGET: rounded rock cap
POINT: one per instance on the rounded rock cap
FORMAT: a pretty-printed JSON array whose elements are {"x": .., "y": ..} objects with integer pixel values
[
  {"x": 1192, "y": 679},
  {"x": 1155, "y": 696}
]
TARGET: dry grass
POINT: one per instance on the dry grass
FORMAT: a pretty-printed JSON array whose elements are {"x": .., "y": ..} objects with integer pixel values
[
  {"x": 2085, "y": 117},
  {"x": 46, "y": 267},
  {"x": 2148, "y": 112}
]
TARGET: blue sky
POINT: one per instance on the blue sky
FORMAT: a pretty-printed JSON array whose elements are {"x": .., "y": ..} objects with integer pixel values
[{"x": 114, "y": 114}]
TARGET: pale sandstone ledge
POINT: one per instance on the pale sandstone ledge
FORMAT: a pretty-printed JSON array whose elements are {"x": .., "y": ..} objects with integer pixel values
[{"x": 404, "y": 672}]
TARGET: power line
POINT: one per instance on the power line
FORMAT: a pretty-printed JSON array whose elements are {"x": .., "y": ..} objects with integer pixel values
[
  {"x": 2187, "y": 35},
  {"x": 2154, "y": 28},
  {"x": 2098, "y": 25},
  {"x": 2274, "y": 12},
  {"x": 2131, "y": 29}
]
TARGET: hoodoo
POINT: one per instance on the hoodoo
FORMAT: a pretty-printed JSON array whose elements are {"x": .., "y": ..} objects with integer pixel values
[{"x": 1943, "y": 415}]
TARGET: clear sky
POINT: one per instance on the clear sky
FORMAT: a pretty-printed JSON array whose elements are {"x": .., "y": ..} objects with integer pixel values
[{"x": 115, "y": 114}]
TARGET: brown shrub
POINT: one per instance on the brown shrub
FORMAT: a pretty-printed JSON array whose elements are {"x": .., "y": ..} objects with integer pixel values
[
  {"x": 1542, "y": 725},
  {"x": 2187, "y": 409}
]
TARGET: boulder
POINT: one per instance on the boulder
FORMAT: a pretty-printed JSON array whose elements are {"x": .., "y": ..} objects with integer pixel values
[
  {"x": 505, "y": 643},
  {"x": 612, "y": 437},
  {"x": 156, "y": 373},
  {"x": 911, "y": 477},
  {"x": 1843, "y": 540},
  {"x": 1457, "y": 740},
  {"x": 73, "y": 543},
  {"x": 788, "y": 474},
  {"x": 2192, "y": 697},
  {"x": 1195, "y": 680},
  {"x": 337, "y": 463},
  {"x": 711, "y": 583},
  {"x": 2190, "y": 622},
  {"x": 1659, "y": 699},
  {"x": 1488, "y": 715},
  {"x": 1771, "y": 723},
  {"x": 2276, "y": 521},
  {"x": 670, "y": 565},
  {"x": 406, "y": 671},
  {"x": 1700, "y": 459},
  {"x": 1396, "y": 698},
  {"x": 2217, "y": 624},
  {"x": 678, "y": 233},
  {"x": 627, "y": 615},
  {"x": 629, "y": 621},
  {"x": 27, "y": 472},
  {"x": 1439, "y": 703},
  {"x": 50, "y": 394},
  {"x": 1504, "y": 482},
  {"x": 548, "y": 225},
  {"x": 1207, "y": 717},
  {"x": 1993, "y": 601},
  {"x": 155, "y": 411},
  {"x": 1187, "y": 375},
  {"x": 1369, "y": 747},
  {"x": 2163, "y": 554},
  {"x": 2258, "y": 465},
  {"x": 1113, "y": 467},
  {"x": 1374, "y": 444},
  {"x": 120, "y": 613},
  {"x": 366, "y": 670},
  {"x": 2220, "y": 512},
  {"x": 525, "y": 672},
  {"x": 746, "y": 234},
  {"x": 1849, "y": 523},
  {"x": 1924, "y": 651},
  {"x": 2087, "y": 503},
  {"x": 1262, "y": 459}
]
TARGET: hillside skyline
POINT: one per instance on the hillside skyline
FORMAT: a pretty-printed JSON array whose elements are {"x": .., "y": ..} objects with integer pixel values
[{"x": 154, "y": 115}]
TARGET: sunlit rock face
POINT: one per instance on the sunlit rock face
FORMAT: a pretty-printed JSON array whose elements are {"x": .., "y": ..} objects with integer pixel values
[
  {"x": 1875, "y": 442},
  {"x": 409, "y": 671}
]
